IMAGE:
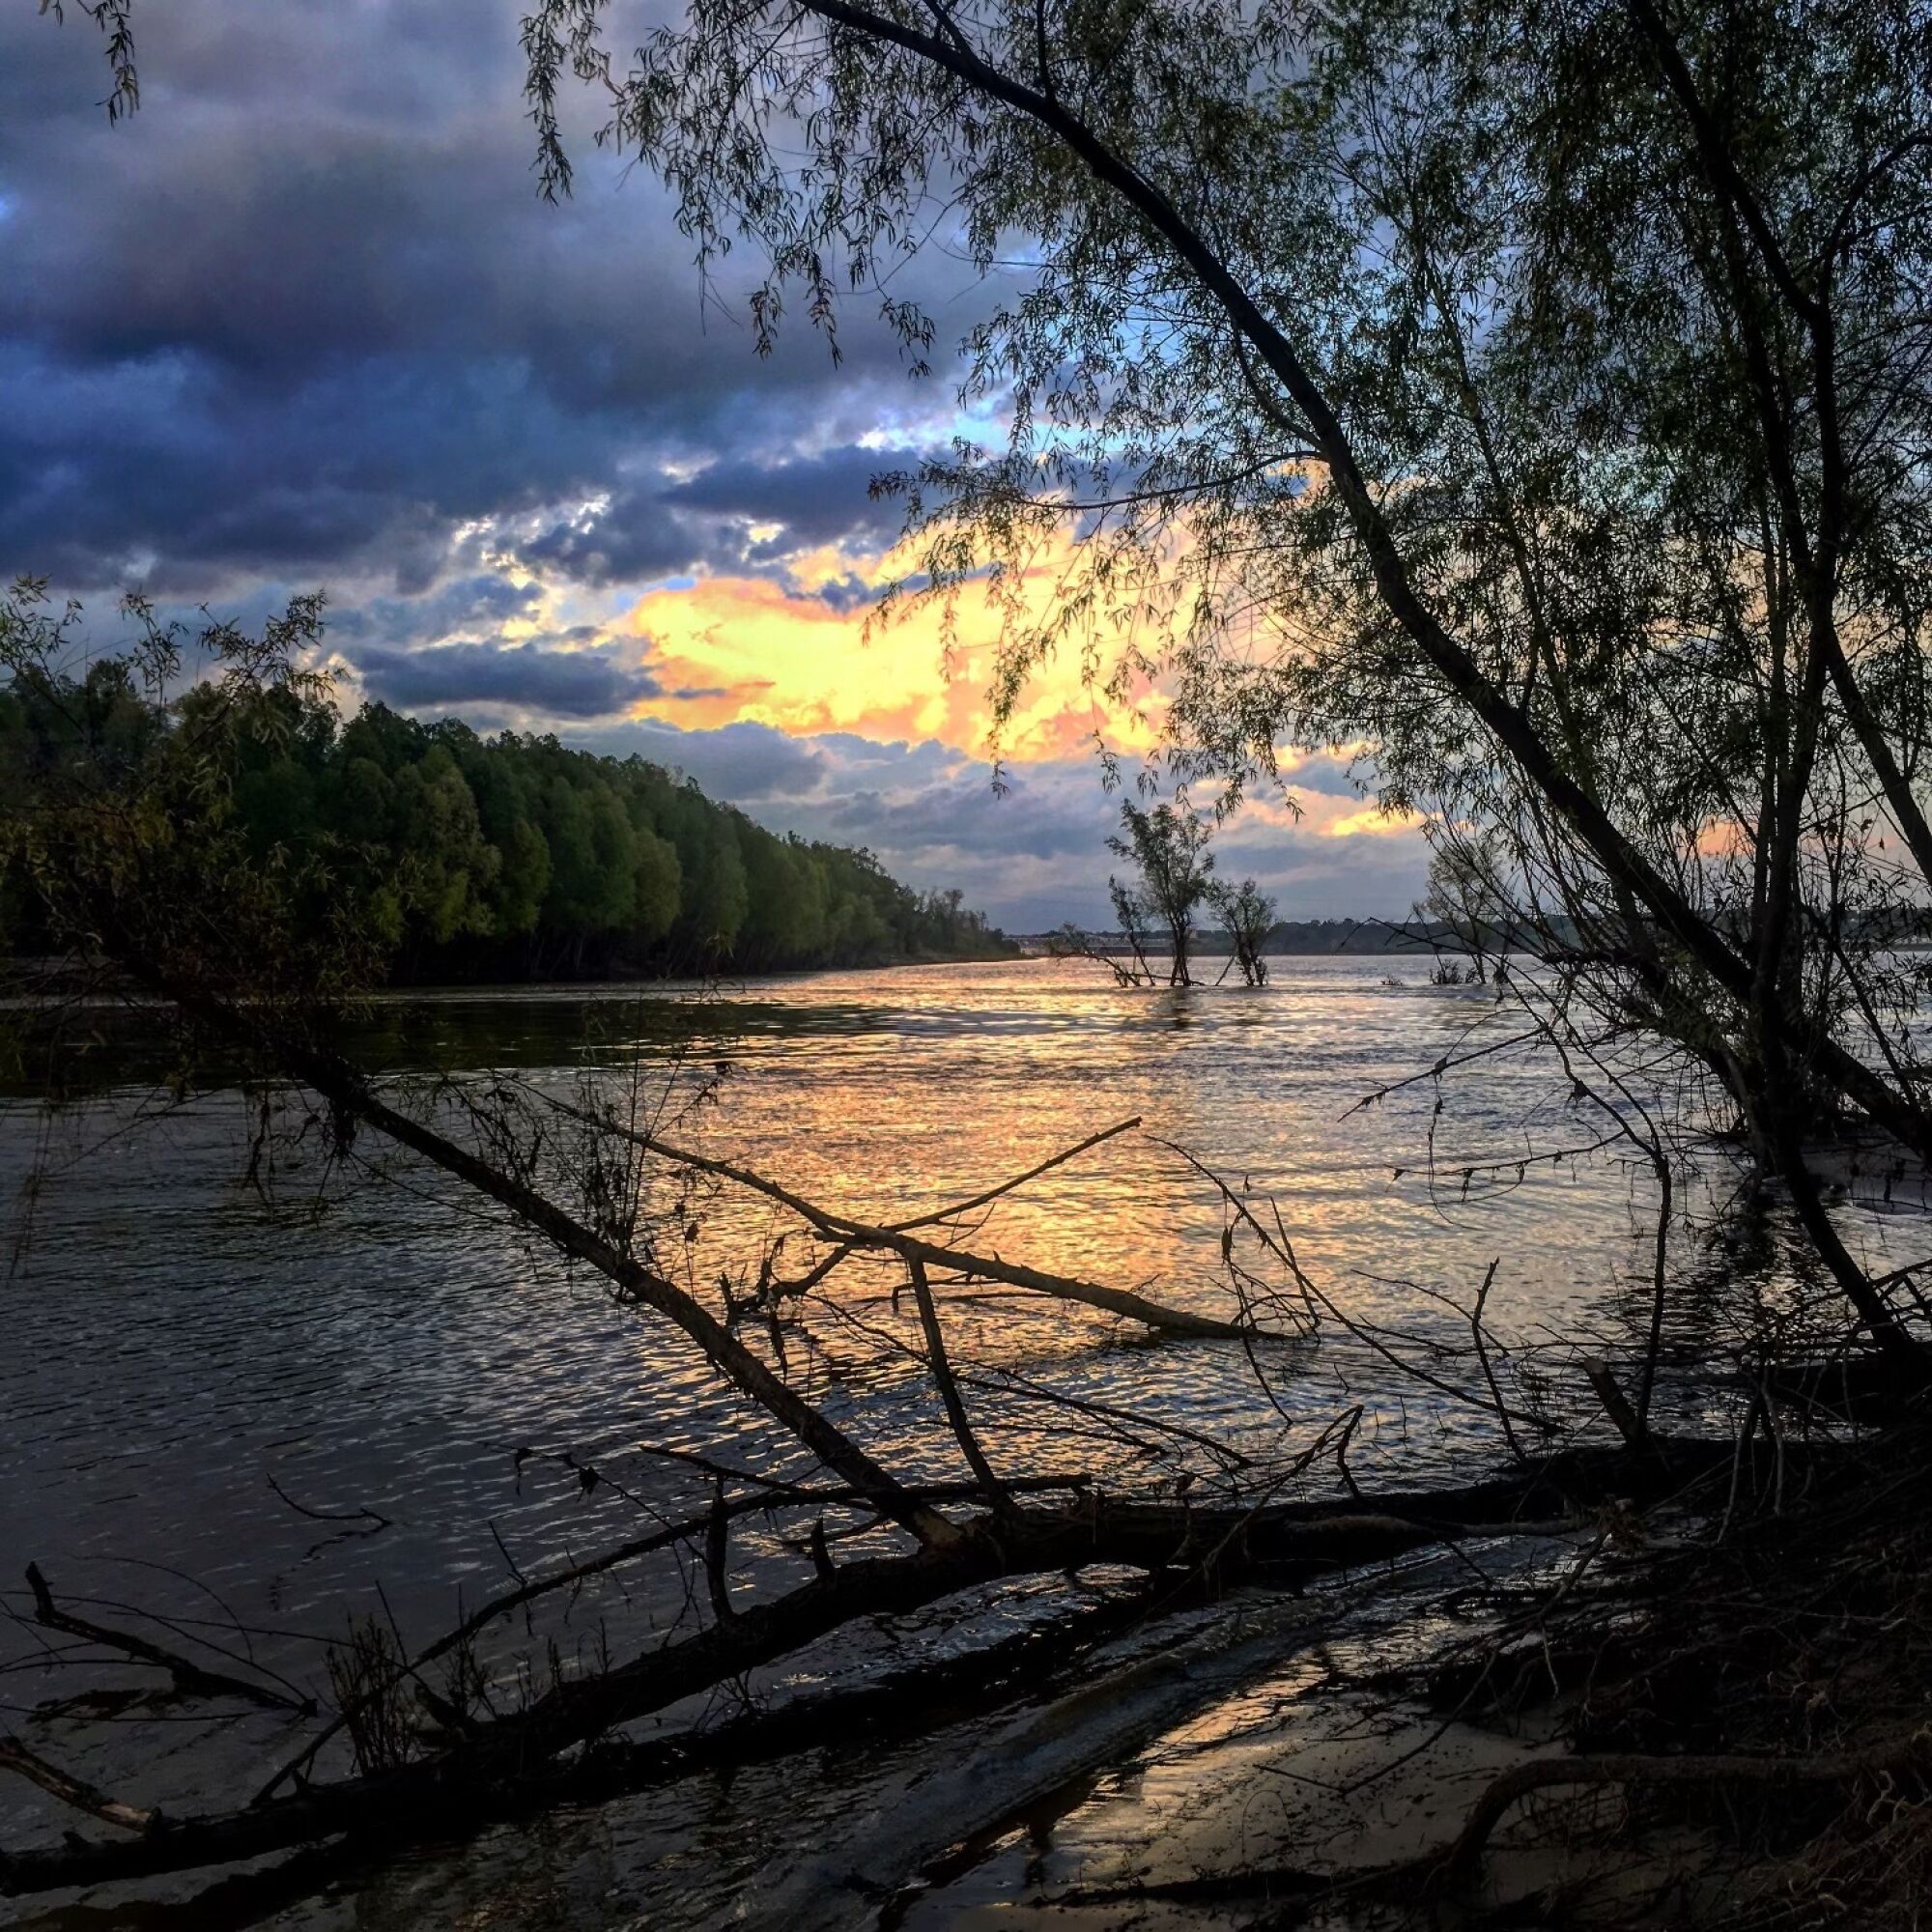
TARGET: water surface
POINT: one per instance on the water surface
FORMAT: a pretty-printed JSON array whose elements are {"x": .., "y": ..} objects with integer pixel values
[{"x": 193, "y": 1357}]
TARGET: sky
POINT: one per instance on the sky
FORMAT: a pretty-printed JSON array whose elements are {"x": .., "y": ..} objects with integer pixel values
[{"x": 303, "y": 322}]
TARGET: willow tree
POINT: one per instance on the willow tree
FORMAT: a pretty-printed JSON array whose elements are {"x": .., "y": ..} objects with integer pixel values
[{"x": 1534, "y": 393}]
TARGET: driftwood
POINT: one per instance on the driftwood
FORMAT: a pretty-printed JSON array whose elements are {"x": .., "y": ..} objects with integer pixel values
[
  {"x": 530, "y": 1590},
  {"x": 1615, "y": 1403},
  {"x": 1544, "y": 1774}
]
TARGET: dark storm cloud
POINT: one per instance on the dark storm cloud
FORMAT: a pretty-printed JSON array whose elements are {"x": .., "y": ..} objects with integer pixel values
[
  {"x": 1324, "y": 771},
  {"x": 465, "y": 603},
  {"x": 523, "y": 677},
  {"x": 307, "y": 186},
  {"x": 844, "y": 595},
  {"x": 163, "y": 470},
  {"x": 664, "y": 528},
  {"x": 817, "y": 500},
  {"x": 630, "y": 540},
  {"x": 306, "y": 313}
]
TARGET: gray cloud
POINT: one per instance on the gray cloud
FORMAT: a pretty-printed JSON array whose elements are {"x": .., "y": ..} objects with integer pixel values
[
  {"x": 664, "y": 528},
  {"x": 522, "y": 677},
  {"x": 818, "y": 500},
  {"x": 744, "y": 763},
  {"x": 464, "y": 603},
  {"x": 1041, "y": 821}
]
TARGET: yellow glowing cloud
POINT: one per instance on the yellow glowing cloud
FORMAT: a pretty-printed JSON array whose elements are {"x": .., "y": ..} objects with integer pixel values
[
  {"x": 1369, "y": 821},
  {"x": 746, "y": 647},
  {"x": 728, "y": 649}
]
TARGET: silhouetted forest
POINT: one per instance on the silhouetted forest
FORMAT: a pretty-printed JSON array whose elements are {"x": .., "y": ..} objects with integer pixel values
[{"x": 512, "y": 857}]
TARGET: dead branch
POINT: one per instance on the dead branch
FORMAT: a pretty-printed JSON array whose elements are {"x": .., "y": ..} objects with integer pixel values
[
  {"x": 1483, "y": 1356},
  {"x": 1615, "y": 1403},
  {"x": 1633, "y": 1768},
  {"x": 14, "y": 1756},
  {"x": 375, "y": 1518},
  {"x": 844, "y": 1231},
  {"x": 716, "y": 1548},
  {"x": 1297, "y": 1541},
  {"x": 1364, "y": 1334},
  {"x": 338, "y": 1083},
  {"x": 530, "y": 1590},
  {"x": 189, "y": 1678},
  {"x": 948, "y": 1386},
  {"x": 1007, "y": 1381}
]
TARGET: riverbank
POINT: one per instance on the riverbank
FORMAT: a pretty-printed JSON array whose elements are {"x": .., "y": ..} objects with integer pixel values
[
  {"x": 1714, "y": 1716},
  {"x": 1709, "y": 1715},
  {"x": 49, "y": 977}
]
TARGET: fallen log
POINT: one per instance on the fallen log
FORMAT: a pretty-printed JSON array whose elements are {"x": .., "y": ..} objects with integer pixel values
[
  {"x": 1288, "y": 1543},
  {"x": 530, "y": 1590}
]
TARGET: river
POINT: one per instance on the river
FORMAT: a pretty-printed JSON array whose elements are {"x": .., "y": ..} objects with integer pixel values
[{"x": 197, "y": 1367}]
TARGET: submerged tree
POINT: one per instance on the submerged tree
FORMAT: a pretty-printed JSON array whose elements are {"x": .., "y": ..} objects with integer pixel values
[
  {"x": 1168, "y": 849},
  {"x": 1247, "y": 917},
  {"x": 1464, "y": 908}
]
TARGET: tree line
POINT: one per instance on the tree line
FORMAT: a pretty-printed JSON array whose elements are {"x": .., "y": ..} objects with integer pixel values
[{"x": 509, "y": 857}]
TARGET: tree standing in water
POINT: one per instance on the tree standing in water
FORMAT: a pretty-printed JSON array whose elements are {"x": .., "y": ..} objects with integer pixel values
[
  {"x": 1247, "y": 916},
  {"x": 1462, "y": 905},
  {"x": 1168, "y": 848}
]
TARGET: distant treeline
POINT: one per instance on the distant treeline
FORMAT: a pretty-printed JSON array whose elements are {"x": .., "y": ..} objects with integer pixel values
[
  {"x": 513, "y": 857},
  {"x": 1322, "y": 936},
  {"x": 1357, "y": 935},
  {"x": 1907, "y": 929}
]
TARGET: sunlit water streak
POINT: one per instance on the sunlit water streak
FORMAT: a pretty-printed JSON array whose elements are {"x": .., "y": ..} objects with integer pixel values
[{"x": 170, "y": 1343}]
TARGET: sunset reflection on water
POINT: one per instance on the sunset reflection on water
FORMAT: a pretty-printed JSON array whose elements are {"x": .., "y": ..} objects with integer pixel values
[
  {"x": 884, "y": 1093},
  {"x": 177, "y": 1342}
]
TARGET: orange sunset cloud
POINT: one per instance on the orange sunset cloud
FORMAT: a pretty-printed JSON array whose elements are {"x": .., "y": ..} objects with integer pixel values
[{"x": 727, "y": 648}]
